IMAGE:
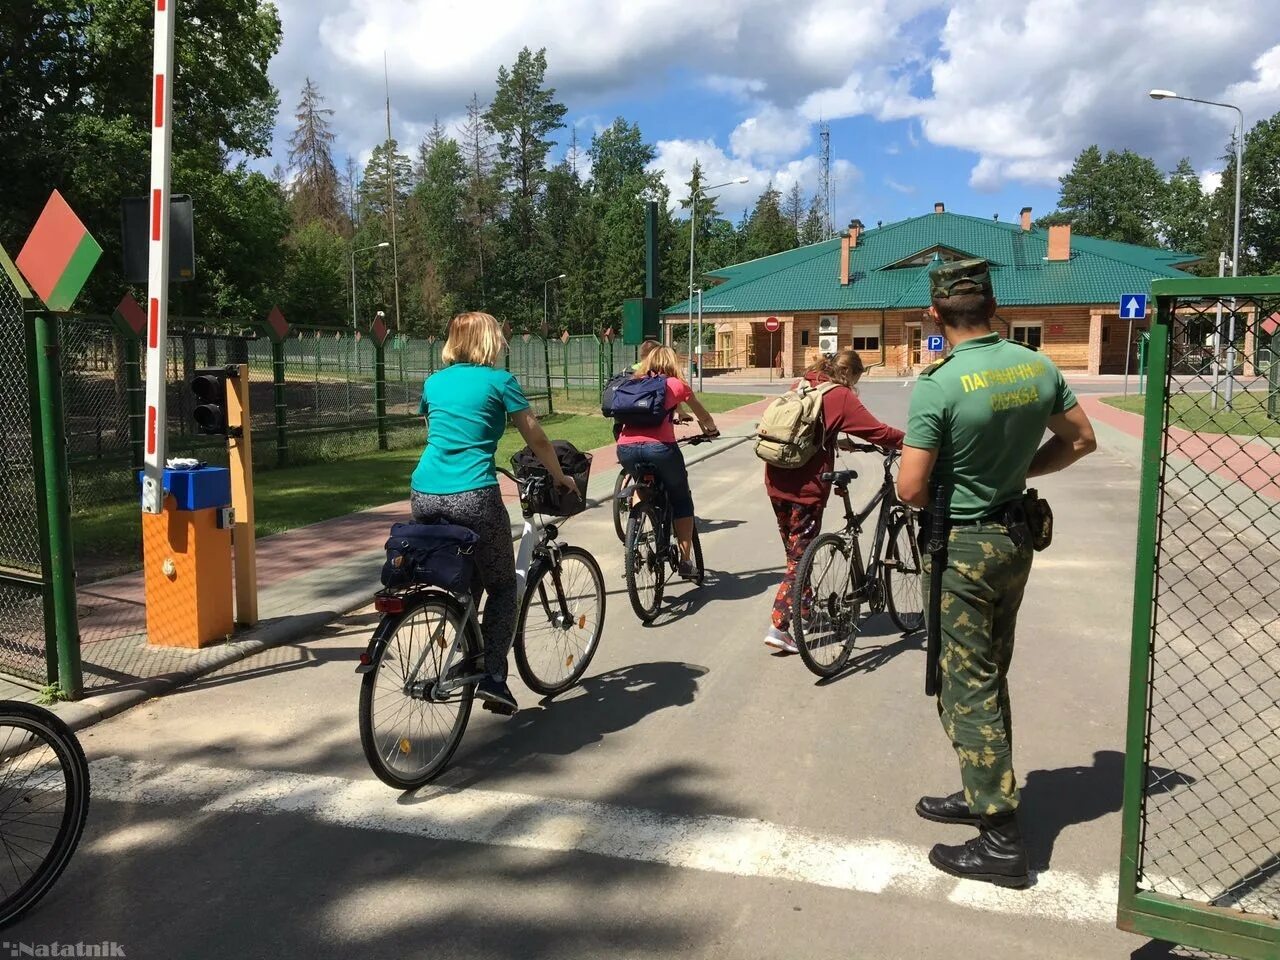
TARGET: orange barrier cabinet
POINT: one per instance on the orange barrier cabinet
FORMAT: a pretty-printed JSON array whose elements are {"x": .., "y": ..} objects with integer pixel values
[{"x": 187, "y": 557}]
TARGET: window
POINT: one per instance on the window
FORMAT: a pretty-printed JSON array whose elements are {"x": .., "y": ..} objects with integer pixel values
[
  {"x": 1028, "y": 333},
  {"x": 804, "y": 338},
  {"x": 865, "y": 337},
  {"x": 1106, "y": 333}
]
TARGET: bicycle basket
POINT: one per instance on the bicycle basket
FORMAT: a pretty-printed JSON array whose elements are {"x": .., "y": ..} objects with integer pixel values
[
  {"x": 548, "y": 498},
  {"x": 430, "y": 554}
]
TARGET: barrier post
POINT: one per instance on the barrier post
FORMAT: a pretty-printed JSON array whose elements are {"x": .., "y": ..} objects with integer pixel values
[{"x": 240, "y": 461}]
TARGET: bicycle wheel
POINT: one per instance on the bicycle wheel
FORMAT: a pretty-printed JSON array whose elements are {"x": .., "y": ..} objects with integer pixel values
[
  {"x": 646, "y": 563},
  {"x": 407, "y": 736},
  {"x": 44, "y": 799},
  {"x": 903, "y": 575},
  {"x": 699, "y": 571},
  {"x": 555, "y": 644},
  {"x": 825, "y": 606},
  {"x": 620, "y": 507}
]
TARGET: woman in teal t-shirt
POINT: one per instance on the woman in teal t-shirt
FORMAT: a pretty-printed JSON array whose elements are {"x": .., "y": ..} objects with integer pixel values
[{"x": 467, "y": 405}]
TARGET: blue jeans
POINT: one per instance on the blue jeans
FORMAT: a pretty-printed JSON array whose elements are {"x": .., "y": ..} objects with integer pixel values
[{"x": 668, "y": 467}]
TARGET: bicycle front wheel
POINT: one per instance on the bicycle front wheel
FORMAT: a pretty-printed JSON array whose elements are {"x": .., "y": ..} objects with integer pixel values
[
  {"x": 561, "y": 618},
  {"x": 825, "y": 605},
  {"x": 407, "y": 728},
  {"x": 646, "y": 563},
  {"x": 904, "y": 575},
  {"x": 699, "y": 569},
  {"x": 620, "y": 507},
  {"x": 44, "y": 799}
]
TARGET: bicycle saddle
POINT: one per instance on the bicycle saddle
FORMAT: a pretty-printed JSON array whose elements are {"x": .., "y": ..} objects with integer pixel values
[{"x": 840, "y": 477}]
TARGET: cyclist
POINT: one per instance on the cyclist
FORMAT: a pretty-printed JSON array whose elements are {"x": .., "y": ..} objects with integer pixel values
[
  {"x": 467, "y": 405},
  {"x": 657, "y": 446},
  {"x": 799, "y": 495},
  {"x": 646, "y": 348}
]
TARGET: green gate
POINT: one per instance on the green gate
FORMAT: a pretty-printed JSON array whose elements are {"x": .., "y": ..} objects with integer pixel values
[{"x": 1200, "y": 861}]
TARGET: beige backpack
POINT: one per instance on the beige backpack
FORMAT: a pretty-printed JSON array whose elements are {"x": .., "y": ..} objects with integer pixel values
[{"x": 792, "y": 429}]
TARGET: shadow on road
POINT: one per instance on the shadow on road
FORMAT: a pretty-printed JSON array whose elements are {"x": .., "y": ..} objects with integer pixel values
[
  {"x": 871, "y": 658},
  {"x": 1057, "y": 799}
]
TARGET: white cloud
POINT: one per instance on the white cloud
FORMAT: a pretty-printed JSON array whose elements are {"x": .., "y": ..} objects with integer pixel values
[
  {"x": 1210, "y": 180},
  {"x": 676, "y": 157},
  {"x": 1022, "y": 84},
  {"x": 893, "y": 184},
  {"x": 772, "y": 134}
]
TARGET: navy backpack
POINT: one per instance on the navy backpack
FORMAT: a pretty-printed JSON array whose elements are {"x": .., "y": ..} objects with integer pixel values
[{"x": 642, "y": 402}]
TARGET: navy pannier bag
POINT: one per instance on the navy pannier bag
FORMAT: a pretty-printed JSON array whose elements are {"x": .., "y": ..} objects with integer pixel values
[
  {"x": 430, "y": 554},
  {"x": 641, "y": 403}
]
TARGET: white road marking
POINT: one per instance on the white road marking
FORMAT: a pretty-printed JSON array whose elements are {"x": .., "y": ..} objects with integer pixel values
[{"x": 740, "y": 847}]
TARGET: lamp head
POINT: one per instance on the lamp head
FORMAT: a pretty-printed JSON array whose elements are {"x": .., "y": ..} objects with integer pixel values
[
  {"x": 741, "y": 180},
  {"x": 384, "y": 244},
  {"x": 1162, "y": 95}
]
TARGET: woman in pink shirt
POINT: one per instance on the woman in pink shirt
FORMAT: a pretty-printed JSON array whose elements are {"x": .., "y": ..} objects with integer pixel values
[{"x": 657, "y": 445}]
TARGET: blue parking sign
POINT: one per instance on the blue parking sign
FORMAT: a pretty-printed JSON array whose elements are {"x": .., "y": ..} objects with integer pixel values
[{"x": 935, "y": 343}]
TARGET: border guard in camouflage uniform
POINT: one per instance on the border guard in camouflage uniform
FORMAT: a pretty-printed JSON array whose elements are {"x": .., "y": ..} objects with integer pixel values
[{"x": 974, "y": 434}]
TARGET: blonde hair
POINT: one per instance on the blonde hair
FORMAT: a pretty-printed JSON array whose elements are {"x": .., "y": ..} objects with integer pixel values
[
  {"x": 660, "y": 360},
  {"x": 474, "y": 338},
  {"x": 843, "y": 368}
]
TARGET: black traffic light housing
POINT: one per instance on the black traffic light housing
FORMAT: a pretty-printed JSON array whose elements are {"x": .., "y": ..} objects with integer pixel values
[{"x": 209, "y": 387}]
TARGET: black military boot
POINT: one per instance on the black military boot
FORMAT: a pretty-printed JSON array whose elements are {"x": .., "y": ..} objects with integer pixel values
[
  {"x": 996, "y": 855},
  {"x": 952, "y": 809}
]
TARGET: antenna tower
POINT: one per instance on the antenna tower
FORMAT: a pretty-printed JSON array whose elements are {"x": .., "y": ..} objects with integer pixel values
[{"x": 824, "y": 173}]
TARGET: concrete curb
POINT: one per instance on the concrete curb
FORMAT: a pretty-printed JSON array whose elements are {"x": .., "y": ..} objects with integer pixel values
[{"x": 285, "y": 628}]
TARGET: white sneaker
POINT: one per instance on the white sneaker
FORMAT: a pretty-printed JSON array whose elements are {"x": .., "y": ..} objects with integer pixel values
[{"x": 780, "y": 640}]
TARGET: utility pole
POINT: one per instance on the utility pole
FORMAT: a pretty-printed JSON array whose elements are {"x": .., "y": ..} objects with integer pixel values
[
  {"x": 391, "y": 170},
  {"x": 824, "y": 176}
]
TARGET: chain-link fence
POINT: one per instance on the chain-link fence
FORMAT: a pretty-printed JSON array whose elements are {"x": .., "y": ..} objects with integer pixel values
[
  {"x": 22, "y": 624},
  {"x": 1203, "y": 807}
]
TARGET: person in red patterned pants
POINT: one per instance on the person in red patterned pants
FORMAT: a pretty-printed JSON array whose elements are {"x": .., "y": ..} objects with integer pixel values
[{"x": 799, "y": 495}]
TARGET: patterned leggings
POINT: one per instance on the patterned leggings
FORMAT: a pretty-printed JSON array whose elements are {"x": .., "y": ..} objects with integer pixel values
[
  {"x": 495, "y": 570},
  {"x": 799, "y": 524}
]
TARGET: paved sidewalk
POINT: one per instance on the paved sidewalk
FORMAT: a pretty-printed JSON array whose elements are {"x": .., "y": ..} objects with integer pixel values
[{"x": 307, "y": 577}]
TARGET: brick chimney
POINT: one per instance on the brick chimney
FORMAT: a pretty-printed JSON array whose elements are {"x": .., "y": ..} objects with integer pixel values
[
  {"x": 845, "y": 246},
  {"x": 1026, "y": 219},
  {"x": 1059, "y": 242},
  {"x": 939, "y": 207},
  {"x": 855, "y": 232}
]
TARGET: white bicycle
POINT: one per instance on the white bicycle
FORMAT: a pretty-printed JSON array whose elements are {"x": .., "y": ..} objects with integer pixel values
[{"x": 426, "y": 655}]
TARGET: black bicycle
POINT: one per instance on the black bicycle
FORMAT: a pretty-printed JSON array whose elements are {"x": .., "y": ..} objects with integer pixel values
[
  {"x": 424, "y": 660},
  {"x": 832, "y": 584},
  {"x": 44, "y": 799},
  {"x": 651, "y": 545}
]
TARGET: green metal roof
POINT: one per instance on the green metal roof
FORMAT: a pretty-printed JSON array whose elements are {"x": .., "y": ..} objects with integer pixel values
[{"x": 806, "y": 279}]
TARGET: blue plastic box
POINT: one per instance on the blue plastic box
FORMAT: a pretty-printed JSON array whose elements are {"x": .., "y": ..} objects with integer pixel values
[{"x": 198, "y": 489}]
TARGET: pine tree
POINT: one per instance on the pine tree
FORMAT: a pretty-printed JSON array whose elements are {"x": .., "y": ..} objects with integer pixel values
[
  {"x": 1184, "y": 212},
  {"x": 315, "y": 181},
  {"x": 476, "y": 141},
  {"x": 437, "y": 232},
  {"x": 1114, "y": 197},
  {"x": 811, "y": 230},
  {"x": 523, "y": 115},
  {"x": 767, "y": 230},
  {"x": 793, "y": 209}
]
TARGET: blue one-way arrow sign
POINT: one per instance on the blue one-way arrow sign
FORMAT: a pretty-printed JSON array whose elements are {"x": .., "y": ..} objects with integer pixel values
[{"x": 1133, "y": 306}]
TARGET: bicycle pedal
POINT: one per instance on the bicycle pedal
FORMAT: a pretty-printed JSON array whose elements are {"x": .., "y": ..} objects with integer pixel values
[{"x": 499, "y": 709}]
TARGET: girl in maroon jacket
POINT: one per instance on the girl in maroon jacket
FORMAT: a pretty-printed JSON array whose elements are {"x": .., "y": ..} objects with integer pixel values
[{"x": 800, "y": 495}]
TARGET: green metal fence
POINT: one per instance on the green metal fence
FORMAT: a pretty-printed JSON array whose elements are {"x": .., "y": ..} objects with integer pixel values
[{"x": 1200, "y": 862}]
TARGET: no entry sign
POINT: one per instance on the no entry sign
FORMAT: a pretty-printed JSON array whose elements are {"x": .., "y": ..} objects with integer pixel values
[{"x": 772, "y": 324}]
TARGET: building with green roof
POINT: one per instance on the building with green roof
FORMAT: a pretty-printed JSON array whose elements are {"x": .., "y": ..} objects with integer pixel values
[{"x": 869, "y": 288}]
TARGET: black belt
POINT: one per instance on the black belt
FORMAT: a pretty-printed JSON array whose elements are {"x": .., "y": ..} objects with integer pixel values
[{"x": 1007, "y": 515}]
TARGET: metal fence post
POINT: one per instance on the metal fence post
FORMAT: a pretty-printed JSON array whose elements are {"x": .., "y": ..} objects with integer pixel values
[
  {"x": 546, "y": 364},
  {"x": 60, "y": 574},
  {"x": 380, "y": 390},
  {"x": 134, "y": 396},
  {"x": 278, "y": 396}
]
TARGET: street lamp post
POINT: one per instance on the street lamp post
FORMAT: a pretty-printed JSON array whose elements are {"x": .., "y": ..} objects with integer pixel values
[
  {"x": 693, "y": 221},
  {"x": 546, "y": 349},
  {"x": 701, "y": 359},
  {"x": 1235, "y": 236},
  {"x": 376, "y": 246}
]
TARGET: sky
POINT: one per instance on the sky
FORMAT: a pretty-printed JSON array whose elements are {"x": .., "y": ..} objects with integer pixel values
[{"x": 979, "y": 104}]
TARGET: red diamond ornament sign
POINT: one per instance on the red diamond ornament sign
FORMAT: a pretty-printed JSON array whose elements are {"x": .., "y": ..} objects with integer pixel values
[{"x": 58, "y": 256}]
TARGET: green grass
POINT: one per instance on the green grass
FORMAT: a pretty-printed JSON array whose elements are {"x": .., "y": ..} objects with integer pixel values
[
  {"x": 108, "y": 536},
  {"x": 1194, "y": 411}
]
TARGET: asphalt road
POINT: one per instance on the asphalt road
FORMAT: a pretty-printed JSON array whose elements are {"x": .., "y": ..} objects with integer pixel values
[{"x": 696, "y": 796}]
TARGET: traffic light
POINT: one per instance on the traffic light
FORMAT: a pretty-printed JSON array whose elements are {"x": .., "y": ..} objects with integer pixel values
[{"x": 209, "y": 387}]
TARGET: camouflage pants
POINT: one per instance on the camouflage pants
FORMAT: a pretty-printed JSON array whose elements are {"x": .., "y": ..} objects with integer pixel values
[{"x": 982, "y": 588}]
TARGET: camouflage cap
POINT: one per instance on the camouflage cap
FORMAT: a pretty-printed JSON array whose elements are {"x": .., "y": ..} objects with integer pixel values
[{"x": 960, "y": 277}]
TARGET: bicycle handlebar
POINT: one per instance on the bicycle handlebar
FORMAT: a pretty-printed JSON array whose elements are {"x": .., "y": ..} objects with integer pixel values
[{"x": 699, "y": 438}]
